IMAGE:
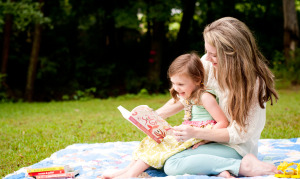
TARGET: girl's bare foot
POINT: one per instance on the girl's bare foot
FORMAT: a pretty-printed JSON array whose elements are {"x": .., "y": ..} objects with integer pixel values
[
  {"x": 251, "y": 166},
  {"x": 118, "y": 173},
  {"x": 113, "y": 175},
  {"x": 225, "y": 174}
]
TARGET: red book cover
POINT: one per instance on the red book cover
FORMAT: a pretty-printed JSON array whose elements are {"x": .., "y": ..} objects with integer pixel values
[
  {"x": 47, "y": 172},
  {"x": 62, "y": 175},
  {"x": 148, "y": 121}
]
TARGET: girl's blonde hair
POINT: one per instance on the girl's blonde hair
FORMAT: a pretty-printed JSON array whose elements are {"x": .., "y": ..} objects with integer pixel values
[
  {"x": 190, "y": 65},
  {"x": 240, "y": 65}
]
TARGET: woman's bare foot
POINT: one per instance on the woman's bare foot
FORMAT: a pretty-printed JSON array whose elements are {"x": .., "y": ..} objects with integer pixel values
[
  {"x": 251, "y": 166},
  {"x": 225, "y": 174}
]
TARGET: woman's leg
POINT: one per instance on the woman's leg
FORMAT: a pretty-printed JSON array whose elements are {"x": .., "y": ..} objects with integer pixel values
[{"x": 208, "y": 159}]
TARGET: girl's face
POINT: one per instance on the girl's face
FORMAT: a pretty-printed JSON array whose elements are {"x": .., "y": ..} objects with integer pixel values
[
  {"x": 183, "y": 85},
  {"x": 211, "y": 54}
]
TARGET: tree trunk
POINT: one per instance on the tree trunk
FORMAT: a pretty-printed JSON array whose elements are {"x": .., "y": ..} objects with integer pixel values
[
  {"x": 156, "y": 53},
  {"x": 188, "y": 13},
  {"x": 291, "y": 29},
  {"x": 31, "y": 75},
  {"x": 6, "y": 42},
  {"x": 5, "y": 54}
]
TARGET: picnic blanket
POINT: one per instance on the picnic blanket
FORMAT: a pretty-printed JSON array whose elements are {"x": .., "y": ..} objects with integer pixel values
[{"x": 92, "y": 160}]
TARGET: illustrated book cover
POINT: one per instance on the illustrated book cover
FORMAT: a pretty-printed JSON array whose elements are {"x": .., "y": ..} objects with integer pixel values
[
  {"x": 148, "y": 121},
  {"x": 49, "y": 170}
]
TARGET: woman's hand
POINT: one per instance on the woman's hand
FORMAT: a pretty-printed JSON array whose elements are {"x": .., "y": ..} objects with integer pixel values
[
  {"x": 200, "y": 143},
  {"x": 183, "y": 133}
]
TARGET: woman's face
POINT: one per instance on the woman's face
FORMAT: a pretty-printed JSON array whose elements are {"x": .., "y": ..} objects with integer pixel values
[
  {"x": 183, "y": 85},
  {"x": 211, "y": 54}
]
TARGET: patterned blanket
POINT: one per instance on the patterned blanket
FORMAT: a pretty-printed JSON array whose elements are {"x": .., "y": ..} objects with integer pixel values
[{"x": 92, "y": 160}]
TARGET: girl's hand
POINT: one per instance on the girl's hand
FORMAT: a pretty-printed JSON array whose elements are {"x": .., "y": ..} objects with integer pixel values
[
  {"x": 200, "y": 143},
  {"x": 184, "y": 132}
]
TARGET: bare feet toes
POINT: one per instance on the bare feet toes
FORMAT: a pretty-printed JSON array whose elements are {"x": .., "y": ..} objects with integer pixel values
[
  {"x": 251, "y": 166},
  {"x": 225, "y": 174}
]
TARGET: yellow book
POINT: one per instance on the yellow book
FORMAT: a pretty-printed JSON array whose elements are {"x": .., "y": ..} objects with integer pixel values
[{"x": 66, "y": 168}]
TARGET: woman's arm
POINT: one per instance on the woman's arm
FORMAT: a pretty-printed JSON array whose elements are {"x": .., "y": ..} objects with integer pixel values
[
  {"x": 170, "y": 109},
  {"x": 185, "y": 132}
]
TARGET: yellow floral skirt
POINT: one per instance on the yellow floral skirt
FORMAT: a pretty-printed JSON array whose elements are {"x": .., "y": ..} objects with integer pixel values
[{"x": 155, "y": 154}]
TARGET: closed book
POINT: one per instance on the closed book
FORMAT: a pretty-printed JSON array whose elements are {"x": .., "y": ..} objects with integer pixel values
[
  {"x": 49, "y": 170},
  {"x": 46, "y": 172},
  {"x": 56, "y": 176}
]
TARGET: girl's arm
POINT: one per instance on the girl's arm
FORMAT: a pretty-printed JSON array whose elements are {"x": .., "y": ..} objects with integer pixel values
[
  {"x": 170, "y": 109},
  {"x": 210, "y": 104},
  {"x": 218, "y": 133}
]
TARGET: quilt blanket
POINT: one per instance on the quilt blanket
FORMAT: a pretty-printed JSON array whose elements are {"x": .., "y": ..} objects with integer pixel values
[{"x": 92, "y": 160}]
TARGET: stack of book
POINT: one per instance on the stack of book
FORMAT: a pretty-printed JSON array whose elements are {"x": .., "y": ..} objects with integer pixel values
[{"x": 56, "y": 172}]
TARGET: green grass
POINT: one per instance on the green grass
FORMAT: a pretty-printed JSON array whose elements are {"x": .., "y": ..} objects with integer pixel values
[{"x": 31, "y": 132}]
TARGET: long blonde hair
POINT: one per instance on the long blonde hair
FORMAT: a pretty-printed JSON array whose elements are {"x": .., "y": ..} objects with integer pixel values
[
  {"x": 240, "y": 65},
  {"x": 188, "y": 64}
]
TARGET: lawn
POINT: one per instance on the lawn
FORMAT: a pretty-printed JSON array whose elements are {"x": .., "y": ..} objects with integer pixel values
[{"x": 31, "y": 132}]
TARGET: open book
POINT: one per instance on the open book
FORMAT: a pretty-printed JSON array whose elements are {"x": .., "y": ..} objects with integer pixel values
[{"x": 148, "y": 121}]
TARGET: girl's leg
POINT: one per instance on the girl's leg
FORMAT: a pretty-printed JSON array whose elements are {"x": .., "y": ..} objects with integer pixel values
[
  {"x": 135, "y": 170},
  {"x": 208, "y": 159}
]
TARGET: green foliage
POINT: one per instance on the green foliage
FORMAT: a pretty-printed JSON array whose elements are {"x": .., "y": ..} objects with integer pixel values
[
  {"x": 87, "y": 94},
  {"x": 25, "y": 12},
  {"x": 106, "y": 44},
  {"x": 174, "y": 24},
  {"x": 126, "y": 17},
  {"x": 288, "y": 71},
  {"x": 3, "y": 95}
]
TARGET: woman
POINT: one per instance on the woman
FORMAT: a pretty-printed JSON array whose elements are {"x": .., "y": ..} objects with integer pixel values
[{"x": 236, "y": 70}]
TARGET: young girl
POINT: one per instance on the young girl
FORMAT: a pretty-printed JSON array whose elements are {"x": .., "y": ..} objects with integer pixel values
[{"x": 201, "y": 110}]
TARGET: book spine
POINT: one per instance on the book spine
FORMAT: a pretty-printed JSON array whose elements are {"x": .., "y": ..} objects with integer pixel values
[
  {"x": 46, "y": 172},
  {"x": 144, "y": 129},
  {"x": 59, "y": 177},
  {"x": 63, "y": 175},
  {"x": 45, "y": 169}
]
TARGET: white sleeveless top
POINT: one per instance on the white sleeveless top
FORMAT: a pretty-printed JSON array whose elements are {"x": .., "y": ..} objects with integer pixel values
[{"x": 242, "y": 142}]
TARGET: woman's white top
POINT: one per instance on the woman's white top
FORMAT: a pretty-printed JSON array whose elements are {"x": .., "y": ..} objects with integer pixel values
[{"x": 243, "y": 142}]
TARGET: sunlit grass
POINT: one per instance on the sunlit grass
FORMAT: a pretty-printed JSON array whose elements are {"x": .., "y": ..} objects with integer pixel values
[
  {"x": 31, "y": 132},
  {"x": 283, "y": 118}
]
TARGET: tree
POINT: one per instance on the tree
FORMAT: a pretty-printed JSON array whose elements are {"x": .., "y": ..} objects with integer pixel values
[
  {"x": 187, "y": 17},
  {"x": 159, "y": 13},
  {"x": 6, "y": 42},
  {"x": 31, "y": 75},
  {"x": 19, "y": 17},
  {"x": 5, "y": 51},
  {"x": 291, "y": 29}
]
